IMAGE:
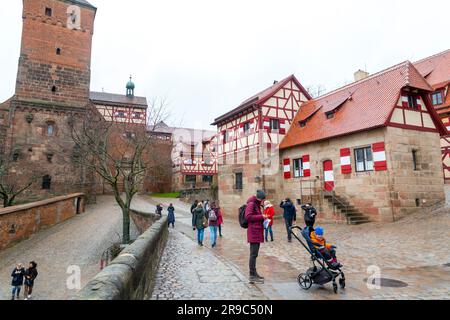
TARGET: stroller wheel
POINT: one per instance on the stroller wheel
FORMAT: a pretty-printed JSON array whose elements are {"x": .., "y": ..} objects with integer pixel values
[
  {"x": 342, "y": 283},
  {"x": 335, "y": 287},
  {"x": 304, "y": 281}
]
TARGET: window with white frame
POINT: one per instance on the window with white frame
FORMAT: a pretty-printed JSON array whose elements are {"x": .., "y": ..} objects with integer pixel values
[
  {"x": 298, "y": 168},
  {"x": 437, "y": 98},
  {"x": 364, "y": 159},
  {"x": 274, "y": 124}
]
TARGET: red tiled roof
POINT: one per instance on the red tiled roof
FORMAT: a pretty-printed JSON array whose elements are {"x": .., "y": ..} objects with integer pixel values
[
  {"x": 363, "y": 105},
  {"x": 260, "y": 97},
  {"x": 436, "y": 69}
]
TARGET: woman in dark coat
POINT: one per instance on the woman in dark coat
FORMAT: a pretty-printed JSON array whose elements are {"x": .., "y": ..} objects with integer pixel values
[
  {"x": 17, "y": 280},
  {"x": 30, "y": 275},
  {"x": 200, "y": 222},
  {"x": 193, "y": 207},
  {"x": 171, "y": 216}
]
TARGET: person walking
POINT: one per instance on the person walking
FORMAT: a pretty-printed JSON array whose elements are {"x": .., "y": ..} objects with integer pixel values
[
  {"x": 220, "y": 221},
  {"x": 289, "y": 215},
  {"x": 171, "y": 216},
  {"x": 269, "y": 211},
  {"x": 255, "y": 232},
  {"x": 193, "y": 207},
  {"x": 310, "y": 215},
  {"x": 201, "y": 222},
  {"x": 213, "y": 219},
  {"x": 30, "y": 275},
  {"x": 159, "y": 209},
  {"x": 17, "y": 280}
]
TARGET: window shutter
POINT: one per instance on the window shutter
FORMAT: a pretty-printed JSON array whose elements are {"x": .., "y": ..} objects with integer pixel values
[
  {"x": 404, "y": 101},
  {"x": 287, "y": 168},
  {"x": 379, "y": 156},
  {"x": 252, "y": 126},
  {"x": 346, "y": 165},
  {"x": 282, "y": 126},
  {"x": 241, "y": 130},
  {"x": 306, "y": 166}
]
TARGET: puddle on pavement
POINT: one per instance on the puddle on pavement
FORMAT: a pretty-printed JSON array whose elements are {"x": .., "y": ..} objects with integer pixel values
[{"x": 389, "y": 283}]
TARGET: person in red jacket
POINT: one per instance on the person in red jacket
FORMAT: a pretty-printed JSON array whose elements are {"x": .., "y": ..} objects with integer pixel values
[
  {"x": 255, "y": 232},
  {"x": 269, "y": 211}
]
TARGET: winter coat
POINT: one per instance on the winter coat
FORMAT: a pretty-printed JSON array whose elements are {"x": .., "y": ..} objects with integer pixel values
[
  {"x": 171, "y": 214},
  {"x": 290, "y": 213},
  {"x": 17, "y": 277},
  {"x": 220, "y": 218},
  {"x": 218, "y": 215},
  {"x": 319, "y": 243},
  {"x": 199, "y": 214},
  {"x": 193, "y": 207},
  {"x": 310, "y": 216},
  {"x": 270, "y": 212},
  {"x": 255, "y": 219},
  {"x": 159, "y": 209},
  {"x": 30, "y": 275}
]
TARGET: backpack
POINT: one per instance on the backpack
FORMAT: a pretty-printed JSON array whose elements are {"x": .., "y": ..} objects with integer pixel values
[
  {"x": 212, "y": 215},
  {"x": 242, "y": 221}
]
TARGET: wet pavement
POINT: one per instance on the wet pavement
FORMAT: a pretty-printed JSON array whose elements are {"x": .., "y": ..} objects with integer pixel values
[
  {"x": 79, "y": 241},
  {"x": 404, "y": 251}
]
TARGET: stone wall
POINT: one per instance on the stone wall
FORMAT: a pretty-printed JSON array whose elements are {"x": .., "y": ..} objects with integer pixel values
[
  {"x": 131, "y": 275},
  {"x": 380, "y": 195},
  {"x": 143, "y": 220},
  {"x": 20, "y": 222}
]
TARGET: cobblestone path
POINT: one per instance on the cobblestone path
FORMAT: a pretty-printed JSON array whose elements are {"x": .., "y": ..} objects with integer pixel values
[
  {"x": 79, "y": 241},
  {"x": 405, "y": 251}
]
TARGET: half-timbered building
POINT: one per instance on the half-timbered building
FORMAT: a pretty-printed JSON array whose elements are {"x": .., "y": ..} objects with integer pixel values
[
  {"x": 436, "y": 70},
  {"x": 248, "y": 137},
  {"x": 369, "y": 151}
]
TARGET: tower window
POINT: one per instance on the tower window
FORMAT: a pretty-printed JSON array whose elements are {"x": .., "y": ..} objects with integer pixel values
[
  {"x": 48, "y": 12},
  {"x": 54, "y": 89},
  {"x": 50, "y": 129},
  {"x": 46, "y": 182},
  {"x": 415, "y": 160},
  {"x": 58, "y": 51}
]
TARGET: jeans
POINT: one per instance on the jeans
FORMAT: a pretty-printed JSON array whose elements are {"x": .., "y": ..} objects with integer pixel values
[
  {"x": 15, "y": 290},
  {"x": 254, "y": 250},
  {"x": 213, "y": 234},
  {"x": 288, "y": 223},
  {"x": 200, "y": 234},
  {"x": 267, "y": 232}
]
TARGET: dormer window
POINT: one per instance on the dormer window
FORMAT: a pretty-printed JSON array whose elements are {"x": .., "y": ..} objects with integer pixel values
[
  {"x": 48, "y": 12},
  {"x": 412, "y": 101},
  {"x": 330, "y": 115},
  {"x": 437, "y": 98},
  {"x": 302, "y": 123}
]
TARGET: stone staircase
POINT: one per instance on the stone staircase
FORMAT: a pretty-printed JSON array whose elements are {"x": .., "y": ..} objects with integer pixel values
[{"x": 351, "y": 213}]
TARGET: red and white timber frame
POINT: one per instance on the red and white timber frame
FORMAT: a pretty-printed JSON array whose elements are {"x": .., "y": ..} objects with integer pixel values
[{"x": 123, "y": 114}]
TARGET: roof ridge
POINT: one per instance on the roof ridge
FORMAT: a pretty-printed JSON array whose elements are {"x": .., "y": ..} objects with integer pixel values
[
  {"x": 432, "y": 56},
  {"x": 371, "y": 77}
]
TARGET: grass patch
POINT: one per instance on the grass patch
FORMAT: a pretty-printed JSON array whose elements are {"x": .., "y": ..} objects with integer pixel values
[{"x": 172, "y": 195}]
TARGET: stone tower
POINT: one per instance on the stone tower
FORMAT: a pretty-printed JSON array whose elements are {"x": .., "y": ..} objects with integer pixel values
[
  {"x": 55, "y": 57},
  {"x": 52, "y": 94}
]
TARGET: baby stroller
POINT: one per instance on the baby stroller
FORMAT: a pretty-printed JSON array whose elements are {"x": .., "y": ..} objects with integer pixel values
[{"x": 318, "y": 274}]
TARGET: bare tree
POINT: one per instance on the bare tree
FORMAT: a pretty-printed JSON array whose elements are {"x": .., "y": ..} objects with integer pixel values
[
  {"x": 121, "y": 154},
  {"x": 316, "y": 90},
  {"x": 11, "y": 184}
]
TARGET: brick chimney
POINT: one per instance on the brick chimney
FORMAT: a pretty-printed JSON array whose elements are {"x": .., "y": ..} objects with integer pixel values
[{"x": 359, "y": 75}]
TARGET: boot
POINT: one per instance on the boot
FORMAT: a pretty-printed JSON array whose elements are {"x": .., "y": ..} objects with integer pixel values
[
  {"x": 12, "y": 298},
  {"x": 254, "y": 279},
  {"x": 258, "y": 276}
]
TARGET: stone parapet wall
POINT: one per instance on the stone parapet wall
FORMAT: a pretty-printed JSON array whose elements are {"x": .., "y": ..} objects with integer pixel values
[
  {"x": 20, "y": 222},
  {"x": 131, "y": 276}
]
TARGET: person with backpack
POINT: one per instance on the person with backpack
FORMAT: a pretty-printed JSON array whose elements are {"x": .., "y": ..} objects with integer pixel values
[
  {"x": 193, "y": 207},
  {"x": 310, "y": 215},
  {"x": 254, "y": 220},
  {"x": 171, "y": 216},
  {"x": 17, "y": 280},
  {"x": 213, "y": 218},
  {"x": 30, "y": 275},
  {"x": 289, "y": 215},
  {"x": 201, "y": 222}
]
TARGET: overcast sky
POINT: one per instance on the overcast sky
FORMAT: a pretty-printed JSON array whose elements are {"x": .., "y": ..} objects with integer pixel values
[{"x": 207, "y": 56}]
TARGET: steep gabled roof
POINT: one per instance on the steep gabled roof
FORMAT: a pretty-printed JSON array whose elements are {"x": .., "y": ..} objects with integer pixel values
[
  {"x": 363, "y": 105},
  {"x": 435, "y": 69},
  {"x": 261, "y": 97}
]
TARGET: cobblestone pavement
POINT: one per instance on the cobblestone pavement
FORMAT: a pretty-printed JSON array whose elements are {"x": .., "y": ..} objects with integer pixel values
[
  {"x": 79, "y": 241},
  {"x": 405, "y": 250}
]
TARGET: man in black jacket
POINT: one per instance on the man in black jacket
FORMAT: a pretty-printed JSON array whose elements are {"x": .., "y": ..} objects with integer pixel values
[
  {"x": 17, "y": 280},
  {"x": 289, "y": 215}
]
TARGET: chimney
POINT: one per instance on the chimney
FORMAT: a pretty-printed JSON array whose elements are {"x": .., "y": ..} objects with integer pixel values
[{"x": 359, "y": 75}]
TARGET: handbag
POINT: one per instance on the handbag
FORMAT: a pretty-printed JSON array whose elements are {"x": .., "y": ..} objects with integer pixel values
[{"x": 205, "y": 222}]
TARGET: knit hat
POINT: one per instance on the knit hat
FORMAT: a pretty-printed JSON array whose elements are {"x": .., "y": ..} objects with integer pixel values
[
  {"x": 260, "y": 194},
  {"x": 319, "y": 231}
]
